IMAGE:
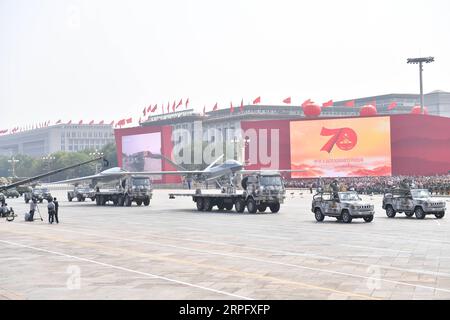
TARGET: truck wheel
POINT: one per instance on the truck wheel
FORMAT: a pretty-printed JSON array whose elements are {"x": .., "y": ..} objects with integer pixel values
[
  {"x": 83, "y": 199},
  {"x": 200, "y": 204},
  {"x": 70, "y": 199},
  {"x": 120, "y": 201},
  {"x": 229, "y": 206},
  {"x": 409, "y": 214},
  {"x": 390, "y": 212},
  {"x": 139, "y": 202},
  {"x": 346, "y": 217},
  {"x": 207, "y": 204},
  {"x": 27, "y": 200},
  {"x": 93, "y": 199},
  {"x": 275, "y": 207},
  {"x": 127, "y": 201},
  {"x": 420, "y": 214},
  {"x": 79, "y": 198},
  {"x": 103, "y": 200},
  {"x": 146, "y": 201},
  {"x": 440, "y": 215},
  {"x": 251, "y": 206},
  {"x": 368, "y": 219},
  {"x": 239, "y": 205},
  {"x": 319, "y": 215},
  {"x": 97, "y": 200},
  {"x": 262, "y": 208}
]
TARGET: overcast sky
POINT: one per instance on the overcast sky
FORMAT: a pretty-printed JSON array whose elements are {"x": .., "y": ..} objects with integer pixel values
[{"x": 106, "y": 60}]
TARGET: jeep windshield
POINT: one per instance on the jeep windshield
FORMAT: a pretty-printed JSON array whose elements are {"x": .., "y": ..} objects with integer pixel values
[
  {"x": 270, "y": 180},
  {"x": 138, "y": 182},
  {"x": 420, "y": 193},
  {"x": 349, "y": 196}
]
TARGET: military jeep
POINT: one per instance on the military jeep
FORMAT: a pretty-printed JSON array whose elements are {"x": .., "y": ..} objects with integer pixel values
[
  {"x": 39, "y": 194},
  {"x": 81, "y": 193},
  {"x": 344, "y": 206},
  {"x": 411, "y": 202}
]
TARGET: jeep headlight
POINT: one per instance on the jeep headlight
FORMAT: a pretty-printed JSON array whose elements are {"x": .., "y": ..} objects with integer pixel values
[{"x": 426, "y": 204}]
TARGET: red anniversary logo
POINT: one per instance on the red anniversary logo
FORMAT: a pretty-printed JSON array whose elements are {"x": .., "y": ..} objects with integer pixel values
[{"x": 344, "y": 138}]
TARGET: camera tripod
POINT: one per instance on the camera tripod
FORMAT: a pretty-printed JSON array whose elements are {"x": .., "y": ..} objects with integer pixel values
[{"x": 38, "y": 211}]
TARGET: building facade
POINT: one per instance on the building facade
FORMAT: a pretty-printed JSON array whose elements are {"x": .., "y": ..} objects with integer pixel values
[{"x": 63, "y": 137}]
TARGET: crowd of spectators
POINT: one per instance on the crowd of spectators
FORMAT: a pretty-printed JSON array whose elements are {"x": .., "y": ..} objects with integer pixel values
[{"x": 376, "y": 185}]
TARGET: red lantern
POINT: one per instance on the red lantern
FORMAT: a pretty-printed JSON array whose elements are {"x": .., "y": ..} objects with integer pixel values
[
  {"x": 417, "y": 110},
  {"x": 368, "y": 110},
  {"x": 312, "y": 110}
]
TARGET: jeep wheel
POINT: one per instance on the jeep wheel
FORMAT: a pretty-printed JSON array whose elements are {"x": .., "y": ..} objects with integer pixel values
[
  {"x": 200, "y": 204},
  {"x": 251, "y": 206},
  {"x": 319, "y": 215},
  {"x": 229, "y": 206},
  {"x": 275, "y": 207},
  {"x": 440, "y": 215},
  {"x": 368, "y": 219},
  {"x": 346, "y": 217},
  {"x": 70, "y": 199},
  {"x": 83, "y": 199},
  {"x": 147, "y": 201},
  {"x": 139, "y": 202},
  {"x": 97, "y": 200},
  {"x": 409, "y": 214},
  {"x": 239, "y": 205},
  {"x": 27, "y": 200},
  {"x": 390, "y": 212},
  {"x": 207, "y": 205},
  {"x": 262, "y": 208},
  {"x": 420, "y": 214}
]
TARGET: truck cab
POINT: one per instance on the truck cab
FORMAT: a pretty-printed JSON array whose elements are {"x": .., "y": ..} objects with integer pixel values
[
  {"x": 130, "y": 189},
  {"x": 411, "y": 202},
  {"x": 344, "y": 206}
]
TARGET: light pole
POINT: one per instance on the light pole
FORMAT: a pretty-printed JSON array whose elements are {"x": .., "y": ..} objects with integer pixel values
[
  {"x": 95, "y": 154},
  {"x": 246, "y": 148},
  {"x": 13, "y": 162},
  {"x": 420, "y": 62}
]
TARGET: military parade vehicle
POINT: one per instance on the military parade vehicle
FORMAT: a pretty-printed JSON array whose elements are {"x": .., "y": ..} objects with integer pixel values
[
  {"x": 38, "y": 193},
  {"x": 259, "y": 191},
  {"x": 81, "y": 193},
  {"x": 12, "y": 193},
  {"x": 344, "y": 206},
  {"x": 130, "y": 189},
  {"x": 411, "y": 202}
]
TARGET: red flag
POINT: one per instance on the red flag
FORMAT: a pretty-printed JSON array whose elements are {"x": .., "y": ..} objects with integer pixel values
[
  {"x": 112, "y": 123},
  {"x": 241, "y": 108},
  {"x": 231, "y": 107},
  {"x": 215, "y": 107},
  {"x": 102, "y": 122},
  {"x": 148, "y": 109},
  {"x": 350, "y": 104},
  {"x": 92, "y": 122},
  {"x": 187, "y": 101},
  {"x": 162, "y": 107},
  {"x": 287, "y": 100},
  {"x": 393, "y": 105},
  {"x": 179, "y": 103},
  {"x": 129, "y": 120},
  {"x": 58, "y": 122},
  {"x": 144, "y": 111},
  {"x": 306, "y": 102},
  {"x": 327, "y": 104},
  {"x": 257, "y": 100},
  {"x": 81, "y": 122},
  {"x": 154, "y": 108},
  {"x": 70, "y": 122},
  {"x": 173, "y": 107}
]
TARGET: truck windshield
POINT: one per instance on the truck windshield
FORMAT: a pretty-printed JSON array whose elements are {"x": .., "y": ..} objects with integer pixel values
[
  {"x": 141, "y": 182},
  {"x": 270, "y": 180},
  {"x": 420, "y": 193},
  {"x": 348, "y": 196}
]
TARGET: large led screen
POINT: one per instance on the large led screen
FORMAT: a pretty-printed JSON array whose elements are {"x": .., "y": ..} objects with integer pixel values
[
  {"x": 341, "y": 147},
  {"x": 137, "y": 152}
]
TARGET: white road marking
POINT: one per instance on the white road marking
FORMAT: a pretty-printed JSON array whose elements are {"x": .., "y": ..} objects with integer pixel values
[
  {"x": 285, "y": 264},
  {"x": 125, "y": 269}
]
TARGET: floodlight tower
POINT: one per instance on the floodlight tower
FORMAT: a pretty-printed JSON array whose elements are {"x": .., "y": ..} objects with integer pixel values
[{"x": 420, "y": 62}]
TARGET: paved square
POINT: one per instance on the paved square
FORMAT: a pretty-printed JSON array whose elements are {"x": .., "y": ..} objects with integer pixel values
[{"x": 171, "y": 251}]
